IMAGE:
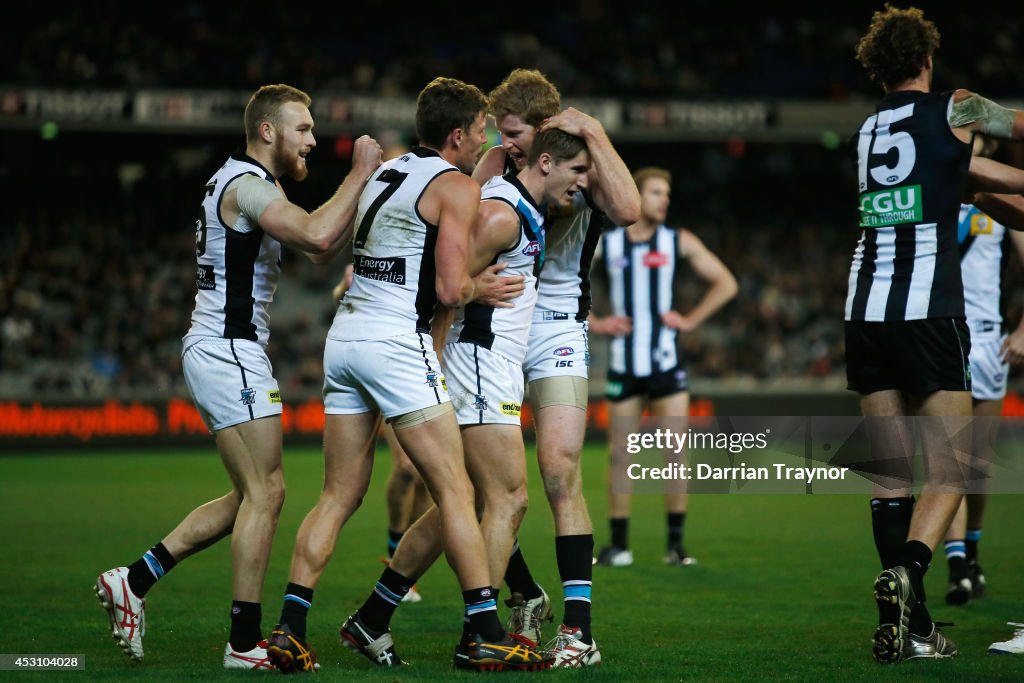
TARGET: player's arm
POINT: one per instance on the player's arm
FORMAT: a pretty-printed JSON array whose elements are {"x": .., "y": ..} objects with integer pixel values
[
  {"x": 609, "y": 182},
  {"x": 986, "y": 175},
  {"x": 458, "y": 200},
  {"x": 613, "y": 325},
  {"x": 492, "y": 163},
  {"x": 496, "y": 230},
  {"x": 971, "y": 113},
  {"x": 343, "y": 284},
  {"x": 722, "y": 286},
  {"x": 439, "y": 326},
  {"x": 324, "y": 230},
  {"x": 1007, "y": 209},
  {"x": 1012, "y": 350}
]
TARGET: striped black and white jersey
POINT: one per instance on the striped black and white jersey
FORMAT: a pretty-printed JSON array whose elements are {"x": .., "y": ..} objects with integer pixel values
[
  {"x": 507, "y": 330},
  {"x": 911, "y": 169},
  {"x": 393, "y": 290},
  {"x": 565, "y": 280},
  {"x": 237, "y": 266},
  {"x": 982, "y": 241},
  {"x": 641, "y": 276}
]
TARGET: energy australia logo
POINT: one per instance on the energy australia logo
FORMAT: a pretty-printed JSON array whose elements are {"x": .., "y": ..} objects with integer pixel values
[{"x": 248, "y": 396}]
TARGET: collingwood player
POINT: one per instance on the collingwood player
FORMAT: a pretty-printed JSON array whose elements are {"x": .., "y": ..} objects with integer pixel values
[
  {"x": 243, "y": 220},
  {"x": 483, "y": 365},
  {"x": 642, "y": 264},
  {"x": 907, "y": 343},
  {"x": 411, "y": 252}
]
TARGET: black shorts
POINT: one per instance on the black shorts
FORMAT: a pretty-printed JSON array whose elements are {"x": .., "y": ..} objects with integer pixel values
[
  {"x": 913, "y": 356},
  {"x": 658, "y": 385}
]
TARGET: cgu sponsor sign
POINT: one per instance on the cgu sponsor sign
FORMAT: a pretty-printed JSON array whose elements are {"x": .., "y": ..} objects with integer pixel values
[{"x": 891, "y": 207}]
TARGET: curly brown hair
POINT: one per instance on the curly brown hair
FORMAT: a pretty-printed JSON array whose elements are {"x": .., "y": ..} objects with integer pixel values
[{"x": 897, "y": 44}]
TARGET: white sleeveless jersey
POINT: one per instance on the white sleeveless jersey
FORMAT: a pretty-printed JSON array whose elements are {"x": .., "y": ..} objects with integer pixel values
[
  {"x": 565, "y": 280},
  {"x": 507, "y": 330},
  {"x": 981, "y": 254},
  {"x": 237, "y": 266},
  {"x": 393, "y": 289},
  {"x": 641, "y": 276}
]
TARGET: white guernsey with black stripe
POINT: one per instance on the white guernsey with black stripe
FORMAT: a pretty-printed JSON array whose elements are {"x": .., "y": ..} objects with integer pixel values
[
  {"x": 641, "y": 276},
  {"x": 565, "y": 280},
  {"x": 393, "y": 291},
  {"x": 911, "y": 169},
  {"x": 237, "y": 266},
  {"x": 507, "y": 330},
  {"x": 982, "y": 242}
]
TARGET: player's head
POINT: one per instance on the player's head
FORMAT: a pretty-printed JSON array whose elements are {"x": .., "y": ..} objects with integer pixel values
[
  {"x": 563, "y": 160},
  {"x": 655, "y": 187},
  {"x": 278, "y": 116},
  {"x": 450, "y": 113},
  {"x": 519, "y": 105},
  {"x": 898, "y": 45}
]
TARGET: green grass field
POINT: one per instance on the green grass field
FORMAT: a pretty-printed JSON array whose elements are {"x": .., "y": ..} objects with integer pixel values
[{"x": 782, "y": 591}]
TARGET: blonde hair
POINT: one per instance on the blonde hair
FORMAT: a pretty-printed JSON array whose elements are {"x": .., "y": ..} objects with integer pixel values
[{"x": 265, "y": 105}]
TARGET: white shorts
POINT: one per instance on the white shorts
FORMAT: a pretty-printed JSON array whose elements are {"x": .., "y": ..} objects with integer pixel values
[
  {"x": 486, "y": 387},
  {"x": 396, "y": 376},
  {"x": 988, "y": 371},
  {"x": 231, "y": 381},
  {"x": 557, "y": 349}
]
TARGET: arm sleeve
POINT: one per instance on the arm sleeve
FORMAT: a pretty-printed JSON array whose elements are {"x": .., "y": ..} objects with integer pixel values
[
  {"x": 995, "y": 119},
  {"x": 254, "y": 195}
]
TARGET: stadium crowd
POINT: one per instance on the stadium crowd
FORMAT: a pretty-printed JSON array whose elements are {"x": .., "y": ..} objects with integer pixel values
[{"x": 656, "y": 49}]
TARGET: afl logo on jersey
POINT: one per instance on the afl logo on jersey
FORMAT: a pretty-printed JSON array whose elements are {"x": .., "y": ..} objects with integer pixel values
[
  {"x": 655, "y": 259},
  {"x": 532, "y": 249},
  {"x": 564, "y": 351}
]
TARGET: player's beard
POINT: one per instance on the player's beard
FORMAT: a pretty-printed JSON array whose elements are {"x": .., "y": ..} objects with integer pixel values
[{"x": 294, "y": 165}]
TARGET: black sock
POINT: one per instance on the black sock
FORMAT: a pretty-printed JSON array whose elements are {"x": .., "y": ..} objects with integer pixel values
[
  {"x": 482, "y": 610},
  {"x": 916, "y": 557},
  {"x": 920, "y": 620},
  {"x": 620, "y": 532},
  {"x": 971, "y": 545},
  {"x": 378, "y": 609},
  {"x": 890, "y": 523},
  {"x": 149, "y": 569},
  {"x": 245, "y": 625},
  {"x": 518, "y": 577},
  {"x": 297, "y": 601},
  {"x": 957, "y": 560},
  {"x": 575, "y": 568},
  {"x": 394, "y": 538},
  {"x": 676, "y": 520}
]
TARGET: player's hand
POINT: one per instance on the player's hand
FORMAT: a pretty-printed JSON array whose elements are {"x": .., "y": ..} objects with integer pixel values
[
  {"x": 366, "y": 156},
  {"x": 498, "y": 290},
  {"x": 573, "y": 122},
  {"x": 613, "y": 325},
  {"x": 1012, "y": 350},
  {"x": 677, "y": 321},
  {"x": 343, "y": 286}
]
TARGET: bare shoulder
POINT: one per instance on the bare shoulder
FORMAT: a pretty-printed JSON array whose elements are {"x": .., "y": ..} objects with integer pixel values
[
  {"x": 496, "y": 212},
  {"x": 455, "y": 186},
  {"x": 688, "y": 241}
]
